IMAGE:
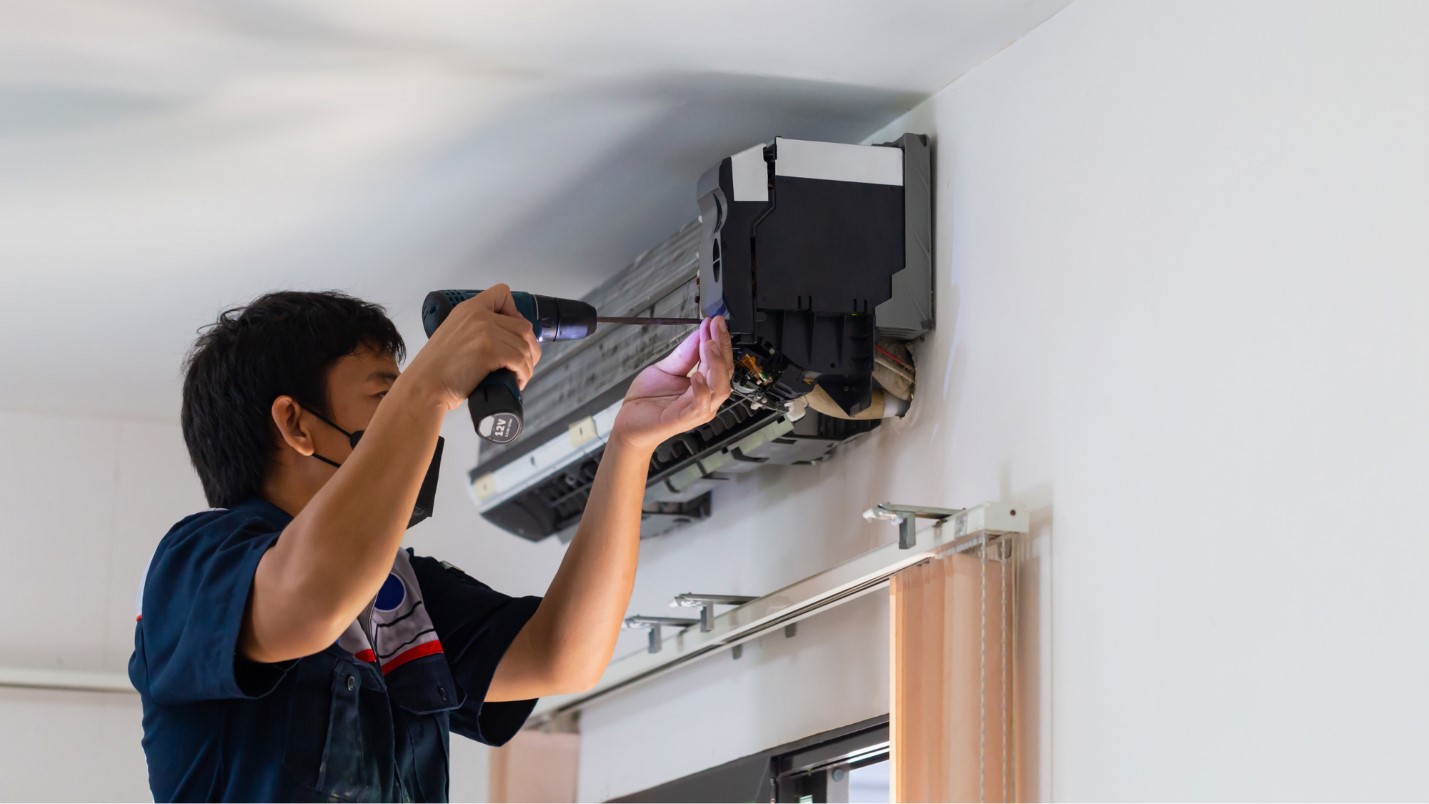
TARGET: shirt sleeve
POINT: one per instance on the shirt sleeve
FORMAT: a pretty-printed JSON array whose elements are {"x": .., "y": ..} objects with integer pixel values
[
  {"x": 476, "y": 624},
  {"x": 192, "y": 610}
]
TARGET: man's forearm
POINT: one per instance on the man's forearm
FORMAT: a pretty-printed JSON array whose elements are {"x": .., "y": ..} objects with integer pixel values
[
  {"x": 336, "y": 553},
  {"x": 568, "y": 642},
  {"x": 586, "y": 603},
  {"x": 354, "y": 525}
]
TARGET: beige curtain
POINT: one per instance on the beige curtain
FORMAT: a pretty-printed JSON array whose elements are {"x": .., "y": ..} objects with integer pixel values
[
  {"x": 535, "y": 766},
  {"x": 952, "y": 713}
]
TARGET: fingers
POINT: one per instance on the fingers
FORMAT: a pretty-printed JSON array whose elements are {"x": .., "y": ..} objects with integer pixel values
[
  {"x": 514, "y": 352},
  {"x": 693, "y": 406},
  {"x": 497, "y": 299},
  {"x": 700, "y": 403},
  {"x": 509, "y": 334},
  {"x": 709, "y": 349},
  {"x": 522, "y": 328},
  {"x": 686, "y": 355},
  {"x": 717, "y": 359}
]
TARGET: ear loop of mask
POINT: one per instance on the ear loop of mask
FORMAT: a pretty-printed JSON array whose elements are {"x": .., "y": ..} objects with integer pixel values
[
  {"x": 352, "y": 438},
  {"x": 426, "y": 495}
]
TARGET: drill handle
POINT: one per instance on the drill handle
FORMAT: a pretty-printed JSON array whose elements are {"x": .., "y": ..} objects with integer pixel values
[
  {"x": 495, "y": 404},
  {"x": 496, "y": 409}
]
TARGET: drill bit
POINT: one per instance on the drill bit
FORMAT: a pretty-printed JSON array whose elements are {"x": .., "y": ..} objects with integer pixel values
[{"x": 649, "y": 322}]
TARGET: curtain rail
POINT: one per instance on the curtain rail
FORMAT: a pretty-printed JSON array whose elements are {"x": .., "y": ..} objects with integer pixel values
[{"x": 961, "y": 530}]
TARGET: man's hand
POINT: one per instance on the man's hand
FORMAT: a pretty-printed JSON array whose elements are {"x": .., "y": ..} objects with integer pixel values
[
  {"x": 568, "y": 642},
  {"x": 667, "y": 399},
  {"x": 481, "y": 335}
]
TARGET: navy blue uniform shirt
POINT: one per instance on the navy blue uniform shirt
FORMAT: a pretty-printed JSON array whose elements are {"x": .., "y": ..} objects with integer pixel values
[{"x": 331, "y": 726}]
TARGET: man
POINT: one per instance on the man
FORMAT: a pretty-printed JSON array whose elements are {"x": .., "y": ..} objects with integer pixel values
[{"x": 281, "y": 651}]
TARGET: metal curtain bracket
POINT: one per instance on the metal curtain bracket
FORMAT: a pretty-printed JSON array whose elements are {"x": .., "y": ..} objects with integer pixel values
[
  {"x": 654, "y": 624},
  {"x": 706, "y": 604},
  {"x": 907, "y": 517}
]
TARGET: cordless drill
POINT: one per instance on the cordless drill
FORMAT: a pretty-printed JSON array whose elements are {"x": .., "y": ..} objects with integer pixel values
[{"x": 495, "y": 405}]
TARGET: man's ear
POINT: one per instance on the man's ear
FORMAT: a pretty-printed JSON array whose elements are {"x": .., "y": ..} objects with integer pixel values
[{"x": 287, "y": 418}]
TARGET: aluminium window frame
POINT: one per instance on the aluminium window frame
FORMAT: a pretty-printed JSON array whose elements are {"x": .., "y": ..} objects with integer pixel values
[{"x": 755, "y": 777}]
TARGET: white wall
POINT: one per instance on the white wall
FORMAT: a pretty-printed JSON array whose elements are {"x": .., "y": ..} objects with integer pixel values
[
  {"x": 71, "y": 746},
  {"x": 1182, "y": 297},
  {"x": 85, "y": 502}
]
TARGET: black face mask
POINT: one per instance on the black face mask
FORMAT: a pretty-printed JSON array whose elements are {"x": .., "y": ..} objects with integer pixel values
[{"x": 426, "y": 497}]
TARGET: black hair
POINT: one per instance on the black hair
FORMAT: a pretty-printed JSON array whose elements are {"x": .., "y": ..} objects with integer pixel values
[{"x": 280, "y": 343}]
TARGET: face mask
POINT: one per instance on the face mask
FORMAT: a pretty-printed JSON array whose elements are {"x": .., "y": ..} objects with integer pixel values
[{"x": 426, "y": 497}]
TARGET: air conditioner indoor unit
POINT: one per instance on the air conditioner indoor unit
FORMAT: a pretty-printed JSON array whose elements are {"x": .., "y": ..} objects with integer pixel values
[{"x": 820, "y": 256}]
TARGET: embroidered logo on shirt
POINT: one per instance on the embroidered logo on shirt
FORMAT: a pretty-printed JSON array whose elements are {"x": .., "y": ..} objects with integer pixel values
[{"x": 397, "y": 628}]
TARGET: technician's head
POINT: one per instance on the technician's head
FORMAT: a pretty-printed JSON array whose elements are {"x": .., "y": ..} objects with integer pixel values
[{"x": 270, "y": 385}]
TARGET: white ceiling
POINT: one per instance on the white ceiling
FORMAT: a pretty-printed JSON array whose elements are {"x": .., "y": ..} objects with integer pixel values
[{"x": 160, "y": 161}]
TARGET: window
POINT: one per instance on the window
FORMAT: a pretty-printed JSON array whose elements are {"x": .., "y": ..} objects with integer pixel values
[
  {"x": 851, "y": 767},
  {"x": 843, "y": 765}
]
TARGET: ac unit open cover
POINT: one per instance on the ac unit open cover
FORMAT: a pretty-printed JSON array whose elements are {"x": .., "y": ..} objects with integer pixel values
[{"x": 820, "y": 257}]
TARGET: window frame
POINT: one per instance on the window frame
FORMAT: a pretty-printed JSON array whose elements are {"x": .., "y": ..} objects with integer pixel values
[
  {"x": 756, "y": 777},
  {"x": 813, "y": 771}
]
